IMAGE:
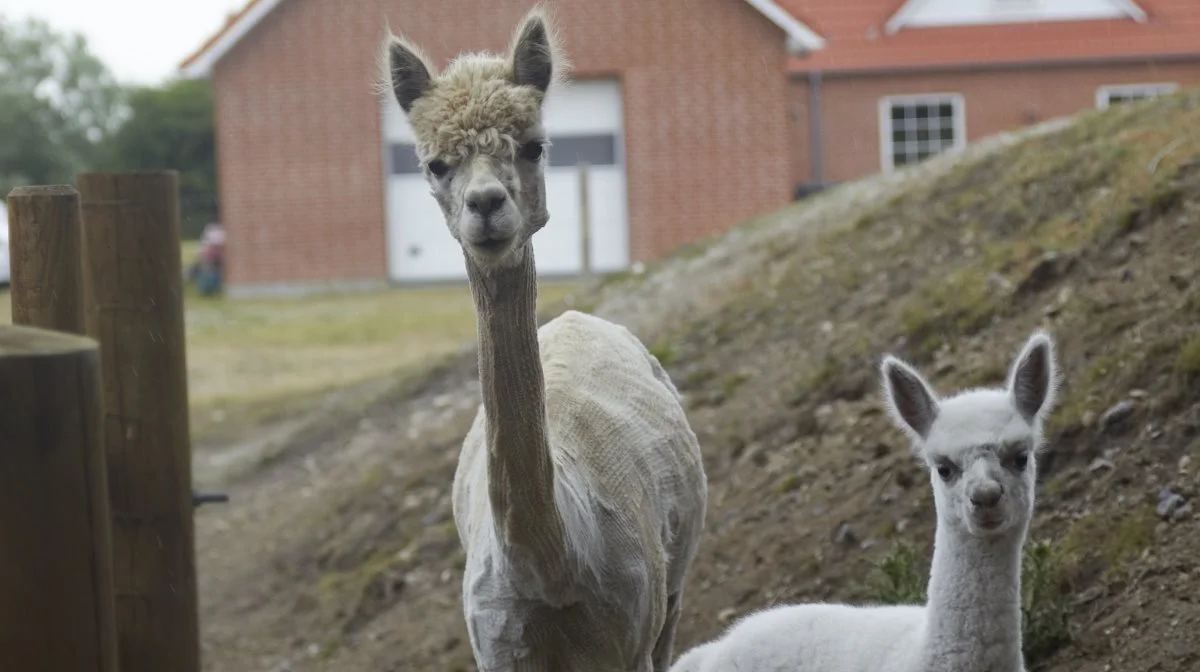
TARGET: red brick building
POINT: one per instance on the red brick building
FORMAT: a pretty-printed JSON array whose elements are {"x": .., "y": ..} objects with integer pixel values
[{"x": 691, "y": 115}]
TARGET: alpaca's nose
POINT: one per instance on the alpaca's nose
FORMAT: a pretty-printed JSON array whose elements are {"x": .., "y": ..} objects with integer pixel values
[
  {"x": 987, "y": 495},
  {"x": 484, "y": 201}
]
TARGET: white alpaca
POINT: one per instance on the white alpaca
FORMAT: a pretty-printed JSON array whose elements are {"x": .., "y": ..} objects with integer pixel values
[
  {"x": 580, "y": 493},
  {"x": 980, "y": 446}
]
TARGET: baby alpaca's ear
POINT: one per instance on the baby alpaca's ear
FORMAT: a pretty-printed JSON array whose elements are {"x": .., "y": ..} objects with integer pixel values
[
  {"x": 911, "y": 402},
  {"x": 1033, "y": 381}
]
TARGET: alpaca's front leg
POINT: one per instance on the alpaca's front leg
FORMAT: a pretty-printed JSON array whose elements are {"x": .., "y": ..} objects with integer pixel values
[{"x": 666, "y": 638}]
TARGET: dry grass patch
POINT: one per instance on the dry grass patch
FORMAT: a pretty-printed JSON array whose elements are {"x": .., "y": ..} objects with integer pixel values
[{"x": 252, "y": 359}]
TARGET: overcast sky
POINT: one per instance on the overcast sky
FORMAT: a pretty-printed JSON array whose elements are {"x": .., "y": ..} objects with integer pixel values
[{"x": 141, "y": 41}]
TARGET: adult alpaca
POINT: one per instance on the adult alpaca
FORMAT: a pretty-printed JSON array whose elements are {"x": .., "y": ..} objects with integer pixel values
[
  {"x": 580, "y": 494},
  {"x": 980, "y": 446}
]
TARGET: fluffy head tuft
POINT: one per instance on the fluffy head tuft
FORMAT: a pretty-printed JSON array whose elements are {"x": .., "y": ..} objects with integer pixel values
[
  {"x": 481, "y": 101},
  {"x": 479, "y": 135}
]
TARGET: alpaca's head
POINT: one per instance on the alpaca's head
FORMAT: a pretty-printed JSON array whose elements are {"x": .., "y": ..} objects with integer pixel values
[
  {"x": 980, "y": 444},
  {"x": 479, "y": 136}
]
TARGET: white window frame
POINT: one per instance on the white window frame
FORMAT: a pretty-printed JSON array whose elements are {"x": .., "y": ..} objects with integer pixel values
[
  {"x": 1149, "y": 90},
  {"x": 959, "y": 107}
]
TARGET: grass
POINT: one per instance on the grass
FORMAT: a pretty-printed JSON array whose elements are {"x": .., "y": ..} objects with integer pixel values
[
  {"x": 252, "y": 358},
  {"x": 901, "y": 577},
  {"x": 1117, "y": 542},
  {"x": 1188, "y": 361}
]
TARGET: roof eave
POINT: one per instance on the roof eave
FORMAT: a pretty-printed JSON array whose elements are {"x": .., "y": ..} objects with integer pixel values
[
  {"x": 898, "y": 20},
  {"x": 201, "y": 64},
  {"x": 800, "y": 36}
]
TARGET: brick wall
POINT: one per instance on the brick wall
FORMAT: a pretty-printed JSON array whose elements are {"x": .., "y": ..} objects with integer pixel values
[
  {"x": 994, "y": 101},
  {"x": 299, "y": 149}
]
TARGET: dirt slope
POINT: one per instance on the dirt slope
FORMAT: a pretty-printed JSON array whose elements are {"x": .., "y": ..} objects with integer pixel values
[{"x": 340, "y": 552}]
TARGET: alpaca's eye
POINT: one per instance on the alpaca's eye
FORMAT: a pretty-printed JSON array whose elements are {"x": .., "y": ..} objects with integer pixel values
[
  {"x": 1020, "y": 460},
  {"x": 946, "y": 471},
  {"x": 438, "y": 167},
  {"x": 532, "y": 150}
]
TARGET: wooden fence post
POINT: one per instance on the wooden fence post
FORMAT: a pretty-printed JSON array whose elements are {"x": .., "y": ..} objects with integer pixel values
[
  {"x": 44, "y": 246},
  {"x": 56, "y": 590},
  {"x": 133, "y": 303},
  {"x": 585, "y": 224}
]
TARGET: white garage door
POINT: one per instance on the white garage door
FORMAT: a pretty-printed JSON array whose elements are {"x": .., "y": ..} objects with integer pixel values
[{"x": 583, "y": 121}]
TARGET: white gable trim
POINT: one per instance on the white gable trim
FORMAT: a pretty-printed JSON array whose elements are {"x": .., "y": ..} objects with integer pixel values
[
  {"x": 912, "y": 8},
  {"x": 799, "y": 36},
  {"x": 202, "y": 66}
]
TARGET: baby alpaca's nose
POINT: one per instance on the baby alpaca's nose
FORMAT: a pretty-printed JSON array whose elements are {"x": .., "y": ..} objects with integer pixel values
[{"x": 987, "y": 495}]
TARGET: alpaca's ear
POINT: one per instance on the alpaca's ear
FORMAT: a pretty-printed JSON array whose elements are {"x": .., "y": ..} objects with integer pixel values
[
  {"x": 533, "y": 51},
  {"x": 910, "y": 400},
  {"x": 408, "y": 71},
  {"x": 1034, "y": 377}
]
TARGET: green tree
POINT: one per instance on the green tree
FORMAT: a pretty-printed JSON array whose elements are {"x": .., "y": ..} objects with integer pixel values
[
  {"x": 57, "y": 103},
  {"x": 171, "y": 127}
]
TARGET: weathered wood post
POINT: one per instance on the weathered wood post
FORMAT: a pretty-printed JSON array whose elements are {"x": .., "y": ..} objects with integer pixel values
[
  {"x": 585, "y": 224},
  {"x": 133, "y": 305},
  {"x": 56, "y": 590},
  {"x": 47, "y": 267}
]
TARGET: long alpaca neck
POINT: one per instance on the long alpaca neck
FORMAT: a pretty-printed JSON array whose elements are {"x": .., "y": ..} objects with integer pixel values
[
  {"x": 974, "y": 608},
  {"x": 520, "y": 469}
]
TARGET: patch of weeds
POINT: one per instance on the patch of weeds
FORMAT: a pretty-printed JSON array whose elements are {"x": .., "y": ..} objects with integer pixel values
[
  {"x": 698, "y": 377},
  {"x": 886, "y": 530},
  {"x": 829, "y": 371},
  {"x": 1045, "y": 600},
  {"x": 1086, "y": 392},
  {"x": 864, "y": 222},
  {"x": 1116, "y": 542},
  {"x": 788, "y": 484},
  {"x": 991, "y": 373},
  {"x": 1054, "y": 486},
  {"x": 948, "y": 307},
  {"x": 825, "y": 376},
  {"x": 899, "y": 577},
  {"x": 731, "y": 382},
  {"x": 1187, "y": 363},
  {"x": 664, "y": 351}
]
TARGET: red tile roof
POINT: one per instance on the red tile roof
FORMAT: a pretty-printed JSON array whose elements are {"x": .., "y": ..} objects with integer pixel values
[{"x": 856, "y": 40}]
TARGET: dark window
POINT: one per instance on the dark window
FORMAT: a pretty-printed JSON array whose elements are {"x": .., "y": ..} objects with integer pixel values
[
  {"x": 920, "y": 129},
  {"x": 594, "y": 150},
  {"x": 404, "y": 160}
]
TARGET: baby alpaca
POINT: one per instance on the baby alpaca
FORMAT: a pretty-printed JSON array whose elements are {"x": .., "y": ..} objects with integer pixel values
[
  {"x": 580, "y": 493},
  {"x": 980, "y": 446}
]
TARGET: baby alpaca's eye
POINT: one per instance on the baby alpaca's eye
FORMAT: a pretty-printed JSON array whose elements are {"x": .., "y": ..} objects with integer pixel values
[
  {"x": 1020, "y": 460},
  {"x": 438, "y": 167},
  {"x": 531, "y": 151},
  {"x": 946, "y": 470}
]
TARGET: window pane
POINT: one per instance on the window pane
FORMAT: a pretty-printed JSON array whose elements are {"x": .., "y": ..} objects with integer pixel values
[
  {"x": 404, "y": 159},
  {"x": 920, "y": 130},
  {"x": 595, "y": 150}
]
